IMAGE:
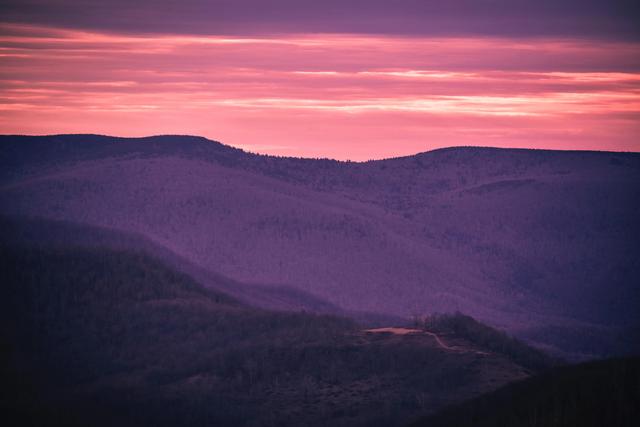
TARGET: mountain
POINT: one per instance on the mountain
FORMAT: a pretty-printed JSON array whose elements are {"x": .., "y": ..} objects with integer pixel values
[
  {"x": 102, "y": 337},
  {"x": 542, "y": 244}
]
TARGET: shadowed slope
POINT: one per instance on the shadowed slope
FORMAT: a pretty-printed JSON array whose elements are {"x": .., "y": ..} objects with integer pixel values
[
  {"x": 603, "y": 393},
  {"x": 104, "y": 337},
  {"x": 33, "y": 232}
]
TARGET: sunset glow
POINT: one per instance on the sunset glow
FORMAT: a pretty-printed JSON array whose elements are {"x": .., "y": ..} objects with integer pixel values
[
  {"x": 257, "y": 213},
  {"x": 346, "y": 96}
]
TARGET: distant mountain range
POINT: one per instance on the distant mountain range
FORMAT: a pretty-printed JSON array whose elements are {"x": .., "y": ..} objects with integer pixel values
[{"x": 543, "y": 244}]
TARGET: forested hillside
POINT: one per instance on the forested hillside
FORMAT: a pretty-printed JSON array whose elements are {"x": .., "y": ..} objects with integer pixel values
[
  {"x": 539, "y": 243},
  {"x": 96, "y": 336},
  {"x": 64, "y": 234},
  {"x": 461, "y": 326}
]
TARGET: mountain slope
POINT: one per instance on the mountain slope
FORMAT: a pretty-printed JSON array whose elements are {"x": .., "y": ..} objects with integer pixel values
[
  {"x": 61, "y": 234},
  {"x": 105, "y": 337},
  {"x": 540, "y": 243}
]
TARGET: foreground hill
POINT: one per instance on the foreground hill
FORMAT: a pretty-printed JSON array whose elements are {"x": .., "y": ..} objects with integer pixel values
[
  {"x": 543, "y": 244},
  {"x": 104, "y": 337},
  {"x": 603, "y": 393}
]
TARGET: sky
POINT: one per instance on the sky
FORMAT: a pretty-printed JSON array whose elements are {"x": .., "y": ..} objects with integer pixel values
[{"x": 344, "y": 79}]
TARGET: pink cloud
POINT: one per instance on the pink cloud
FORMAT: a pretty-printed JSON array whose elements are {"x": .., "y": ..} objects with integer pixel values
[{"x": 339, "y": 96}]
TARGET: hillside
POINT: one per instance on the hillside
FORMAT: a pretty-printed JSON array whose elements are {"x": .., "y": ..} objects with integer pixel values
[
  {"x": 62, "y": 234},
  {"x": 603, "y": 393},
  {"x": 540, "y": 243},
  {"x": 105, "y": 337}
]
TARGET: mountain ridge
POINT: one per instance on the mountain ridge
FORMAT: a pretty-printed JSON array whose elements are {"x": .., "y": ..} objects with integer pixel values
[{"x": 168, "y": 138}]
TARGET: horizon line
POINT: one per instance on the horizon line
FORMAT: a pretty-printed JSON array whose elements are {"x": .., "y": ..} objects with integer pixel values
[{"x": 257, "y": 153}]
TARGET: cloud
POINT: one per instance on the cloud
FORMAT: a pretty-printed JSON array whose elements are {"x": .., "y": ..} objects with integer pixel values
[
  {"x": 496, "y": 18},
  {"x": 337, "y": 95}
]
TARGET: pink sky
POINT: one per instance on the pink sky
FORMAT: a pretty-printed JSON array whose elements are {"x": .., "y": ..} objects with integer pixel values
[{"x": 324, "y": 95}]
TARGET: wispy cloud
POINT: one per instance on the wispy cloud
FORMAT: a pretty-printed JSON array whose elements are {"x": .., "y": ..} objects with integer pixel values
[{"x": 337, "y": 95}]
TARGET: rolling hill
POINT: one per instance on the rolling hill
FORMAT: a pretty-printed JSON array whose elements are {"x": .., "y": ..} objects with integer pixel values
[{"x": 542, "y": 244}]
